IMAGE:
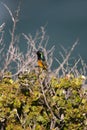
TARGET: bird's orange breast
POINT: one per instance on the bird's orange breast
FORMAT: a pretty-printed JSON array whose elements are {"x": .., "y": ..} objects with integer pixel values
[{"x": 40, "y": 64}]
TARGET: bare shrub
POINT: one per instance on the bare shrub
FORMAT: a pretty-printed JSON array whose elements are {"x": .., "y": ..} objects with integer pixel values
[{"x": 16, "y": 61}]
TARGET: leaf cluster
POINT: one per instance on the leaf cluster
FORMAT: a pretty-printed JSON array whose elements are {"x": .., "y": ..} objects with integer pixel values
[{"x": 40, "y": 102}]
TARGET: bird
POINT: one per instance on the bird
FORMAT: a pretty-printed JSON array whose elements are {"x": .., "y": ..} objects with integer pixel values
[{"x": 41, "y": 60}]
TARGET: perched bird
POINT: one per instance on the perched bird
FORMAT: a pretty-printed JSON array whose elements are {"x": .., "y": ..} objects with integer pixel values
[{"x": 41, "y": 60}]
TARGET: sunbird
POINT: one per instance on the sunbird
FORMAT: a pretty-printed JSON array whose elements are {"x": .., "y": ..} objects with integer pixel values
[{"x": 41, "y": 60}]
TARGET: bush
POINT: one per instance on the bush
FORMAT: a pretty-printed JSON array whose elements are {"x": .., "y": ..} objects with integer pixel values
[{"x": 40, "y": 102}]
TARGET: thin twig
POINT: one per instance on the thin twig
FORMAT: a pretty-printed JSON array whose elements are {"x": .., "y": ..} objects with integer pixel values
[{"x": 66, "y": 58}]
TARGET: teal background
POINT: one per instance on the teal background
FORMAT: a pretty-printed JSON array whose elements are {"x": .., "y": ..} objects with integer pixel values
[{"x": 65, "y": 20}]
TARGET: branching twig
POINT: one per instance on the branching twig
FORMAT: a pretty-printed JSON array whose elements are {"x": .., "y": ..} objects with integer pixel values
[
  {"x": 66, "y": 58},
  {"x": 11, "y": 50},
  {"x": 48, "y": 106}
]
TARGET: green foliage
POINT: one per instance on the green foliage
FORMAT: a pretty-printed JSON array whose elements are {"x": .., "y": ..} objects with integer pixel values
[{"x": 38, "y": 102}]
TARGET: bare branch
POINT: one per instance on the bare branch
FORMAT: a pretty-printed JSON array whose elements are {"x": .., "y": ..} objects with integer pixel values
[
  {"x": 75, "y": 65},
  {"x": 84, "y": 66},
  {"x": 48, "y": 106},
  {"x": 11, "y": 55},
  {"x": 62, "y": 68},
  {"x": 2, "y": 27},
  {"x": 66, "y": 58},
  {"x": 9, "y": 11}
]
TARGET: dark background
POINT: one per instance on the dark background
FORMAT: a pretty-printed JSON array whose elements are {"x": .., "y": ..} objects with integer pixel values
[{"x": 65, "y": 20}]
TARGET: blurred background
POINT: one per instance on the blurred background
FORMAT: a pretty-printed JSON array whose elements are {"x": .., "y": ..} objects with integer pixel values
[{"x": 64, "y": 21}]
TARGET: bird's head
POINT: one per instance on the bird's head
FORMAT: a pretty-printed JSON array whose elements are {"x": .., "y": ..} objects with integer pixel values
[{"x": 40, "y": 55}]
